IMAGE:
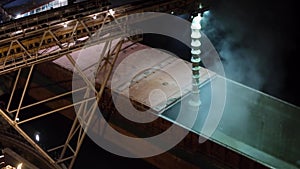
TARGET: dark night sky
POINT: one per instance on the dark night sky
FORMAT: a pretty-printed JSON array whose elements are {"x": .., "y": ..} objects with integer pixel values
[{"x": 258, "y": 42}]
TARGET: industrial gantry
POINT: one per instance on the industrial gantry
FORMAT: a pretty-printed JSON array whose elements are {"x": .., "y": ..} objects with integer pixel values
[
  {"x": 44, "y": 37},
  {"x": 256, "y": 130}
]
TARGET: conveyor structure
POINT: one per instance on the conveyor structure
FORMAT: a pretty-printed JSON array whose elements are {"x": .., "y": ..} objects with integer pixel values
[
  {"x": 46, "y": 36},
  {"x": 25, "y": 41},
  {"x": 256, "y": 130}
]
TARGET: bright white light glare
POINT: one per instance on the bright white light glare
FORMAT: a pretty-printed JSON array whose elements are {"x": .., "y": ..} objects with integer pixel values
[
  {"x": 172, "y": 12},
  {"x": 65, "y": 25},
  {"x": 206, "y": 13},
  {"x": 17, "y": 119},
  {"x": 37, "y": 137},
  {"x": 200, "y": 6},
  {"x": 2, "y": 156},
  {"x": 18, "y": 16},
  {"x": 19, "y": 166},
  {"x": 20, "y": 31},
  {"x": 112, "y": 12},
  {"x": 95, "y": 17}
]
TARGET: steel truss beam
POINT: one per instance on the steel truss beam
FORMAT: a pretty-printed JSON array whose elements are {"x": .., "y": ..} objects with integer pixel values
[
  {"x": 24, "y": 44},
  {"x": 56, "y": 48},
  {"x": 12, "y": 116},
  {"x": 89, "y": 9},
  {"x": 30, "y": 42},
  {"x": 76, "y": 132}
]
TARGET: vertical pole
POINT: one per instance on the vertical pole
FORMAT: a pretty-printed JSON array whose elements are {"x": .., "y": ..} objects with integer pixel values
[{"x": 196, "y": 44}]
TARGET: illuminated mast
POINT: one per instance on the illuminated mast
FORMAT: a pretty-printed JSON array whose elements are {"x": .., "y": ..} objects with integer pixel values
[{"x": 196, "y": 44}]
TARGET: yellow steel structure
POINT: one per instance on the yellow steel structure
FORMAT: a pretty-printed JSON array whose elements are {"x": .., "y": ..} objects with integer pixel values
[{"x": 44, "y": 37}]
